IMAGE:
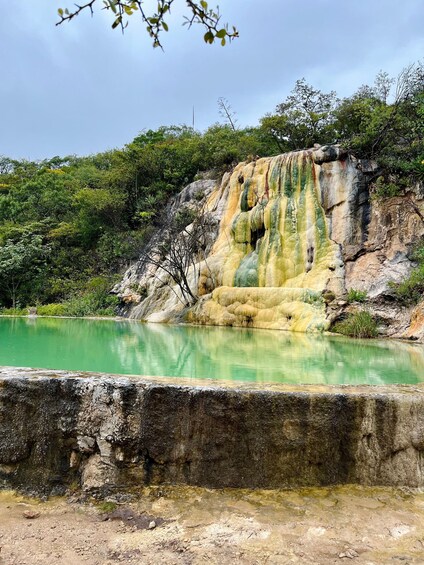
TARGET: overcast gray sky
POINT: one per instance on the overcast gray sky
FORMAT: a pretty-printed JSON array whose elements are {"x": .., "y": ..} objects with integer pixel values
[{"x": 82, "y": 88}]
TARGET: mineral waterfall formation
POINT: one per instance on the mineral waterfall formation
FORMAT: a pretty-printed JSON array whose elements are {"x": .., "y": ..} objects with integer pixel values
[
  {"x": 275, "y": 253},
  {"x": 289, "y": 230}
]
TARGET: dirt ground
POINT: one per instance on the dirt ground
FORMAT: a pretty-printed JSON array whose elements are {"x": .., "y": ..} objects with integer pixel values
[{"x": 190, "y": 526}]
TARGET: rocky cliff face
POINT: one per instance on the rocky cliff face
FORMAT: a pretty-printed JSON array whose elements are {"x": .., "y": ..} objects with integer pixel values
[{"x": 293, "y": 234}]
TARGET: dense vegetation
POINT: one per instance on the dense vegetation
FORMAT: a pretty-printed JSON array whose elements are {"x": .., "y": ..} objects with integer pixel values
[
  {"x": 411, "y": 290},
  {"x": 69, "y": 225},
  {"x": 359, "y": 324}
]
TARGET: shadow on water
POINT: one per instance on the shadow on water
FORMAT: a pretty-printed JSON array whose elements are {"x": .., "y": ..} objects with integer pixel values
[{"x": 206, "y": 352}]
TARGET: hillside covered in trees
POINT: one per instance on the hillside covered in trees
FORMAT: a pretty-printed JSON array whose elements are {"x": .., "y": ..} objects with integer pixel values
[{"x": 69, "y": 226}]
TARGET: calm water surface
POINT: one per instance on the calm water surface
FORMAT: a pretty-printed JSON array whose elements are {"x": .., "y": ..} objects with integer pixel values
[{"x": 205, "y": 352}]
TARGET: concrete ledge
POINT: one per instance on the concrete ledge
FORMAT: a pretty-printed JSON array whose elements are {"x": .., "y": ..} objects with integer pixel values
[{"x": 106, "y": 432}]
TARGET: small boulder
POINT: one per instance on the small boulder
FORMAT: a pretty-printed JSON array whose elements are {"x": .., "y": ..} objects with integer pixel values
[{"x": 31, "y": 514}]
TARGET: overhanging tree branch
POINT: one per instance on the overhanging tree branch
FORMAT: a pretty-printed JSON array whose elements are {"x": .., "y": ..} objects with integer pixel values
[{"x": 199, "y": 13}]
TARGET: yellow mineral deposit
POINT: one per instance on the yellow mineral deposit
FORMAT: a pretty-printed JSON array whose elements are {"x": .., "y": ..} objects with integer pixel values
[{"x": 273, "y": 257}]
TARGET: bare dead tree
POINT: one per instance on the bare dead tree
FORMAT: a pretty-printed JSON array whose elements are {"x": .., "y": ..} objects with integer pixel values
[
  {"x": 6, "y": 165},
  {"x": 182, "y": 240},
  {"x": 227, "y": 113},
  {"x": 382, "y": 86},
  {"x": 408, "y": 83}
]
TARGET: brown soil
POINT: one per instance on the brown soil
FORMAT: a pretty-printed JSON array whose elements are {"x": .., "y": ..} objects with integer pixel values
[{"x": 190, "y": 526}]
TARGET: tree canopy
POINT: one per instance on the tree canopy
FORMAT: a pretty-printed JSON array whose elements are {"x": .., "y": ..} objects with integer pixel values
[
  {"x": 69, "y": 225},
  {"x": 21, "y": 262}
]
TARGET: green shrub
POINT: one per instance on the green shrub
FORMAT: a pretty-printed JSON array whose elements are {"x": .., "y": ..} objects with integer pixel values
[
  {"x": 107, "y": 506},
  {"x": 95, "y": 300},
  {"x": 356, "y": 295},
  {"x": 89, "y": 305},
  {"x": 51, "y": 310},
  {"x": 383, "y": 189},
  {"x": 411, "y": 290},
  {"x": 14, "y": 311},
  {"x": 359, "y": 324},
  {"x": 141, "y": 290},
  {"x": 417, "y": 252}
]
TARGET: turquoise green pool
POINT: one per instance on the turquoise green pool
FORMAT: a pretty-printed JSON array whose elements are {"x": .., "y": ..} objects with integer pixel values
[{"x": 205, "y": 352}]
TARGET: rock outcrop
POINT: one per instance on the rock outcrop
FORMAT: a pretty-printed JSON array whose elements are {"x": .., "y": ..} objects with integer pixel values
[
  {"x": 415, "y": 330},
  {"x": 294, "y": 233}
]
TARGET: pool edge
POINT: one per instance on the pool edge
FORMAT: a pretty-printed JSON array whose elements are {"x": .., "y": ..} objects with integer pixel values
[{"x": 117, "y": 432}]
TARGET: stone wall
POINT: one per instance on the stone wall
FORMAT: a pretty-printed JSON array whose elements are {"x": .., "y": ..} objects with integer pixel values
[{"x": 104, "y": 433}]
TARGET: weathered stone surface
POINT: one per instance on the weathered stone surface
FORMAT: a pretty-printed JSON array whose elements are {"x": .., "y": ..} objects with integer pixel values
[
  {"x": 110, "y": 432},
  {"x": 393, "y": 228},
  {"x": 393, "y": 318},
  {"x": 415, "y": 330},
  {"x": 293, "y": 309},
  {"x": 327, "y": 153}
]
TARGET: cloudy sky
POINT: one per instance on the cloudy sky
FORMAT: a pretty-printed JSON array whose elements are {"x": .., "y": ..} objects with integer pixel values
[{"x": 82, "y": 88}]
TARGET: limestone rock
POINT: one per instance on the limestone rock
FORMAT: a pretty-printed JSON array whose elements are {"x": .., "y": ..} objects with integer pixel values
[
  {"x": 148, "y": 293},
  {"x": 416, "y": 328},
  {"x": 31, "y": 514},
  {"x": 394, "y": 226},
  {"x": 349, "y": 554},
  {"x": 327, "y": 153}
]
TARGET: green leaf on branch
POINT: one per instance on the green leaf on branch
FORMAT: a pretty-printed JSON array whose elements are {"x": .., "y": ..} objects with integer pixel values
[
  {"x": 198, "y": 13},
  {"x": 208, "y": 37},
  {"x": 117, "y": 22}
]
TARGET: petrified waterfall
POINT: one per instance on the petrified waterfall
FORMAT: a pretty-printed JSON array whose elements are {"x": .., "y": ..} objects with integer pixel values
[
  {"x": 282, "y": 224},
  {"x": 278, "y": 231},
  {"x": 275, "y": 255}
]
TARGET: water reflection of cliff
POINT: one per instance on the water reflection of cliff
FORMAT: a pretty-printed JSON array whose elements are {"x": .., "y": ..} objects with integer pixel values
[
  {"x": 267, "y": 356},
  {"x": 206, "y": 352}
]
